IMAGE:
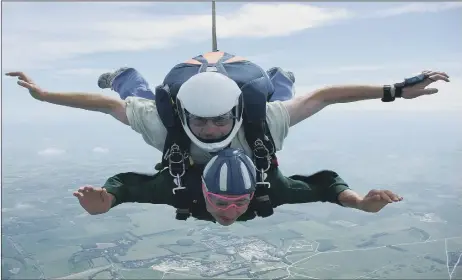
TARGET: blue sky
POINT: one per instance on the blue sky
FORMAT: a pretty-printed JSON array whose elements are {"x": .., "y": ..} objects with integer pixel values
[{"x": 64, "y": 46}]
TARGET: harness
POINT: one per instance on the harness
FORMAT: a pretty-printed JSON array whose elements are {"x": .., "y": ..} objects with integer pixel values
[{"x": 257, "y": 90}]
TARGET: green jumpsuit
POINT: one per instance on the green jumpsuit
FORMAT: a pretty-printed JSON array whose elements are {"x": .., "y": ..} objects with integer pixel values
[{"x": 323, "y": 186}]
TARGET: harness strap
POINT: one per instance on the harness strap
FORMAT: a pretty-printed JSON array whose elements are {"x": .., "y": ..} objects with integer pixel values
[
  {"x": 264, "y": 156},
  {"x": 177, "y": 144}
]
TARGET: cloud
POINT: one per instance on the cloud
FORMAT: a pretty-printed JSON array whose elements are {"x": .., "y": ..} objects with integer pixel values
[
  {"x": 275, "y": 20},
  {"x": 51, "y": 152},
  {"x": 41, "y": 35},
  {"x": 448, "y": 66},
  {"x": 18, "y": 206},
  {"x": 417, "y": 8},
  {"x": 78, "y": 72},
  {"x": 38, "y": 34},
  {"x": 352, "y": 68},
  {"x": 100, "y": 150}
]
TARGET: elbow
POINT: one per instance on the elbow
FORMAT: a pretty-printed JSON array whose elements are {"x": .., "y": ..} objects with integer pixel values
[
  {"x": 303, "y": 107},
  {"x": 312, "y": 105},
  {"x": 113, "y": 105},
  {"x": 324, "y": 97}
]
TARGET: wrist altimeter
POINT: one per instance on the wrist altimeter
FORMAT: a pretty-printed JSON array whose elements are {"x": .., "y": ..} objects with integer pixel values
[{"x": 391, "y": 92}]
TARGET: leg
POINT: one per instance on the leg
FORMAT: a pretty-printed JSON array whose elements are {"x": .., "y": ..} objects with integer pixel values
[
  {"x": 283, "y": 82},
  {"x": 126, "y": 82}
]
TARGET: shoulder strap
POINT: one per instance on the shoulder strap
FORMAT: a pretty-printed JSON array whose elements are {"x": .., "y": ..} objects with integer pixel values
[
  {"x": 261, "y": 142},
  {"x": 258, "y": 136},
  {"x": 175, "y": 155}
]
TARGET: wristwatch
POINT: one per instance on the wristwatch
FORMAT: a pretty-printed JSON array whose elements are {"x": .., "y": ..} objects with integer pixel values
[{"x": 388, "y": 93}]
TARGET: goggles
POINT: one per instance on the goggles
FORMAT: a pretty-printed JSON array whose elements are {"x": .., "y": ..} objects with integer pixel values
[
  {"x": 223, "y": 203},
  {"x": 221, "y": 120}
]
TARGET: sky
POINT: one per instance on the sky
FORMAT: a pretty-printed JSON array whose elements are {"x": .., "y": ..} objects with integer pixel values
[{"x": 65, "y": 46}]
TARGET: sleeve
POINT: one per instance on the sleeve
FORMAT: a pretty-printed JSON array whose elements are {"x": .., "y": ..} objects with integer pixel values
[
  {"x": 141, "y": 188},
  {"x": 323, "y": 186},
  {"x": 278, "y": 120},
  {"x": 143, "y": 118},
  {"x": 137, "y": 109}
]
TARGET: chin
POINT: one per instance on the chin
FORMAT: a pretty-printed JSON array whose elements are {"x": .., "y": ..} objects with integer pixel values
[{"x": 225, "y": 223}]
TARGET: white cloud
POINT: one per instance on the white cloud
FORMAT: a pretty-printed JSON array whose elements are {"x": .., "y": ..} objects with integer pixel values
[
  {"x": 40, "y": 35},
  {"x": 90, "y": 72},
  {"x": 274, "y": 20},
  {"x": 100, "y": 150},
  {"x": 51, "y": 152},
  {"x": 352, "y": 68},
  {"x": 417, "y": 8},
  {"x": 35, "y": 34},
  {"x": 386, "y": 68},
  {"x": 18, "y": 206}
]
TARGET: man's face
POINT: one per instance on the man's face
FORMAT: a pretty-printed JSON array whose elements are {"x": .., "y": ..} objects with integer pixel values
[
  {"x": 211, "y": 128},
  {"x": 226, "y": 208}
]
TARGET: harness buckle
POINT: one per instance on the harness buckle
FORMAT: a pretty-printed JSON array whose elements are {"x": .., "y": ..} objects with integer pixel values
[
  {"x": 177, "y": 181},
  {"x": 262, "y": 162},
  {"x": 262, "y": 180},
  {"x": 176, "y": 161},
  {"x": 176, "y": 166},
  {"x": 262, "y": 156}
]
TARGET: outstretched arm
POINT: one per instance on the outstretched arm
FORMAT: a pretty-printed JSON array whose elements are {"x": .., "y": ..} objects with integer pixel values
[
  {"x": 87, "y": 101},
  {"x": 326, "y": 186},
  {"x": 302, "y": 107},
  {"x": 123, "y": 188},
  {"x": 140, "y": 188}
]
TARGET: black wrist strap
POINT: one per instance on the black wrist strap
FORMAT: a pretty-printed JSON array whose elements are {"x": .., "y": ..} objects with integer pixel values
[
  {"x": 409, "y": 82},
  {"x": 398, "y": 91}
]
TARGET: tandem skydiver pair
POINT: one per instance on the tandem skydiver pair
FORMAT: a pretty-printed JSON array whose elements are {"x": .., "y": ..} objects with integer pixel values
[{"x": 219, "y": 110}]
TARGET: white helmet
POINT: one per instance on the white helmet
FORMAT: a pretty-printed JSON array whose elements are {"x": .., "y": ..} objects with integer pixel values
[{"x": 210, "y": 94}]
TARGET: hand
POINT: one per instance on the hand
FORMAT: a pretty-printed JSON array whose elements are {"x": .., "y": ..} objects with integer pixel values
[
  {"x": 420, "y": 88},
  {"x": 94, "y": 200},
  {"x": 375, "y": 200},
  {"x": 26, "y": 82}
]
